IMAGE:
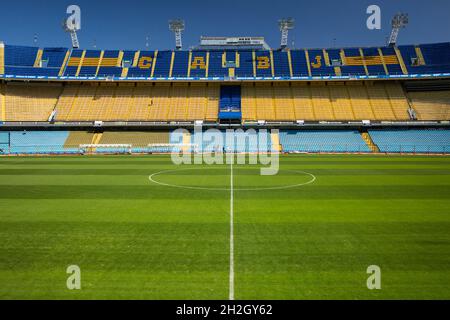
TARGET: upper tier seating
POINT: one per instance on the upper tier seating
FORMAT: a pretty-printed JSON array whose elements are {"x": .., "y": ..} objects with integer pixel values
[
  {"x": 423, "y": 141},
  {"x": 51, "y": 62},
  {"x": 429, "y": 58}
]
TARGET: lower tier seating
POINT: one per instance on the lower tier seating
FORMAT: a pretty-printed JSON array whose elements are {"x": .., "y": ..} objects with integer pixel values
[
  {"x": 239, "y": 141},
  {"x": 395, "y": 141},
  {"x": 37, "y": 142},
  {"x": 322, "y": 141},
  {"x": 426, "y": 141}
]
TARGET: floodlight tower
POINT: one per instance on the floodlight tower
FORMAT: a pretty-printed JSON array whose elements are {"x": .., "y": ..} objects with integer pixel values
[
  {"x": 285, "y": 25},
  {"x": 71, "y": 28},
  {"x": 177, "y": 26},
  {"x": 400, "y": 21}
]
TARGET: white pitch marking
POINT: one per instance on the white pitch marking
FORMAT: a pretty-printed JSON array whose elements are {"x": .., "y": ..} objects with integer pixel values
[
  {"x": 231, "y": 189},
  {"x": 231, "y": 235},
  {"x": 152, "y": 176}
]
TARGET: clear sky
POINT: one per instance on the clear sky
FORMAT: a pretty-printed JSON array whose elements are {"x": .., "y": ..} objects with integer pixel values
[{"x": 125, "y": 24}]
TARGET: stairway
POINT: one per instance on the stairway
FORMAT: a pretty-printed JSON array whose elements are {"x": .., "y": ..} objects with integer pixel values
[
  {"x": 276, "y": 146},
  {"x": 368, "y": 140},
  {"x": 37, "y": 62},
  {"x": 96, "y": 140},
  {"x": 420, "y": 56},
  {"x": 400, "y": 60},
  {"x": 81, "y": 63}
]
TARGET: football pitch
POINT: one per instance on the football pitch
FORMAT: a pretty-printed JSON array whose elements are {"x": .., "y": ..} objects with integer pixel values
[{"x": 140, "y": 227}]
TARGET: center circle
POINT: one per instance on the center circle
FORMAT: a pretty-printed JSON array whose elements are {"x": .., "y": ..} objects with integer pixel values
[{"x": 294, "y": 178}]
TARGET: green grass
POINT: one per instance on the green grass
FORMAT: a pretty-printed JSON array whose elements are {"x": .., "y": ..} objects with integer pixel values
[{"x": 135, "y": 239}]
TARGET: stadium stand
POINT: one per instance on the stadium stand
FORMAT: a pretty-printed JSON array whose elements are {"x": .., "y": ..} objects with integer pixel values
[
  {"x": 324, "y": 101},
  {"x": 431, "y": 105},
  {"x": 141, "y": 102},
  {"x": 415, "y": 141},
  {"x": 362, "y": 108},
  {"x": 76, "y": 138},
  {"x": 139, "y": 140},
  {"x": 30, "y": 102},
  {"x": 23, "y": 61},
  {"x": 322, "y": 141},
  {"x": 4, "y": 143},
  {"x": 37, "y": 142},
  {"x": 314, "y": 141},
  {"x": 277, "y": 101},
  {"x": 390, "y": 86},
  {"x": 238, "y": 141},
  {"x": 426, "y": 59}
]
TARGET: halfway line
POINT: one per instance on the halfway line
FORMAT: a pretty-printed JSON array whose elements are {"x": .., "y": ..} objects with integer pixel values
[{"x": 231, "y": 235}]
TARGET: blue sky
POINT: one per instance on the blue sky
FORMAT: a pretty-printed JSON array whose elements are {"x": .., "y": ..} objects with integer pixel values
[{"x": 126, "y": 24}]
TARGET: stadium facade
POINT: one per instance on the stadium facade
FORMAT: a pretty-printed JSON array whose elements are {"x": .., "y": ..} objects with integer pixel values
[{"x": 378, "y": 99}]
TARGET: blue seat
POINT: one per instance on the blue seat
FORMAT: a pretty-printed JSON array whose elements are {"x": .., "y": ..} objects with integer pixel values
[
  {"x": 38, "y": 142},
  {"x": 322, "y": 141},
  {"x": 422, "y": 141}
]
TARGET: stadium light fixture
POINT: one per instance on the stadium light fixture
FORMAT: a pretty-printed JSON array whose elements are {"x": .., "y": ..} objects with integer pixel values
[
  {"x": 400, "y": 21},
  {"x": 177, "y": 26},
  {"x": 285, "y": 25}
]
